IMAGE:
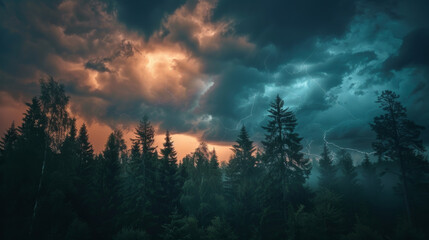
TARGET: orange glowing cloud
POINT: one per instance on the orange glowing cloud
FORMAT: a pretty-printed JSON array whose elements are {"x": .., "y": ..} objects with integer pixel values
[{"x": 115, "y": 75}]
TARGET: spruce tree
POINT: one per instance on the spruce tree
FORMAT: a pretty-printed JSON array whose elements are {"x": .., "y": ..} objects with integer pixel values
[
  {"x": 242, "y": 175},
  {"x": 371, "y": 182},
  {"x": 59, "y": 195},
  {"x": 8, "y": 142},
  {"x": 202, "y": 192},
  {"x": 109, "y": 184},
  {"x": 286, "y": 169},
  {"x": 8, "y": 146},
  {"x": 22, "y": 175},
  {"x": 69, "y": 151},
  {"x": 371, "y": 188},
  {"x": 168, "y": 193},
  {"x": 141, "y": 186},
  {"x": 243, "y": 151},
  {"x": 327, "y": 169},
  {"x": 145, "y": 134},
  {"x": 85, "y": 151},
  {"x": 201, "y": 157},
  {"x": 34, "y": 124},
  {"x": 147, "y": 175},
  {"x": 86, "y": 169},
  {"x": 283, "y": 146},
  {"x": 168, "y": 153},
  {"x": 348, "y": 186},
  {"x": 348, "y": 174}
]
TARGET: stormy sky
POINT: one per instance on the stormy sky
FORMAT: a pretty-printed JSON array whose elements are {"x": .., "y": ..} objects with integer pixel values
[{"x": 204, "y": 68}]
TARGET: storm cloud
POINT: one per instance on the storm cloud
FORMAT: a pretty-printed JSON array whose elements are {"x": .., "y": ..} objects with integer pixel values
[{"x": 206, "y": 67}]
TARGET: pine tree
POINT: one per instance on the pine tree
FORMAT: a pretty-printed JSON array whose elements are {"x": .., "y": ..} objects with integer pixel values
[
  {"x": 145, "y": 134},
  {"x": 201, "y": 157},
  {"x": 8, "y": 142},
  {"x": 348, "y": 174},
  {"x": 215, "y": 175},
  {"x": 328, "y": 171},
  {"x": 168, "y": 153},
  {"x": 241, "y": 173},
  {"x": 52, "y": 108},
  {"x": 213, "y": 162},
  {"x": 371, "y": 189},
  {"x": 109, "y": 184},
  {"x": 69, "y": 151},
  {"x": 243, "y": 161},
  {"x": 86, "y": 151},
  {"x": 8, "y": 146},
  {"x": 286, "y": 168},
  {"x": 398, "y": 139},
  {"x": 202, "y": 192},
  {"x": 34, "y": 124},
  {"x": 283, "y": 145},
  {"x": 132, "y": 188},
  {"x": 72, "y": 134},
  {"x": 168, "y": 193},
  {"x": 182, "y": 175},
  {"x": 22, "y": 173},
  {"x": 370, "y": 180},
  {"x": 348, "y": 185},
  {"x": 328, "y": 216},
  {"x": 149, "y": 160},
  {"x": 86, "y": 196},
  {"x": 141, "y": 186},
  {"x": 58, "y": 198},
  {"x": 135, "y": 159}
]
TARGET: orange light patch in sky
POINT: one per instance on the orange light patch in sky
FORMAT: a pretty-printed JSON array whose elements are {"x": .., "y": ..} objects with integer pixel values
[
  {"x": 167, "y": 74},
  {"x": 10, "y": 110},
  {"x": 184, "y": 144},
  {"x": 98, "y": 132},
  {"x": 93, "y": 80}
]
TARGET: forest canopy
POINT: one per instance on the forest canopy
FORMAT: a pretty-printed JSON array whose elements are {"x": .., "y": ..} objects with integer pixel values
[{"x": 54, "y": 186}]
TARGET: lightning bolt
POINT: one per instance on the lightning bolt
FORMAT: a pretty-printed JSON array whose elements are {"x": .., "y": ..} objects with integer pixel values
[
  {"x": 239, "y": 122},
  {"x": 343, "y": 148},
  {"x": 248, "y": 116},
  {"x": 308, "y": 151},
  {"x": 304, "y": 68}
]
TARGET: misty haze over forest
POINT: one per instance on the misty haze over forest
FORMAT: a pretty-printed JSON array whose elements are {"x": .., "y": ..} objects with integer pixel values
[
  {"x": 55, "y": 186},
  {"x": 214, "y": 119}
]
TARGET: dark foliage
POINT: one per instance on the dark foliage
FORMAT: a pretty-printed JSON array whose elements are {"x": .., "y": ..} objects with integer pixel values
[{"x": 54, "y": 187}]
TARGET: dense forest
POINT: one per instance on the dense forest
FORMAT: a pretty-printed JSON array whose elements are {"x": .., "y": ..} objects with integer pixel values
[{"x": 53, "y": 185}]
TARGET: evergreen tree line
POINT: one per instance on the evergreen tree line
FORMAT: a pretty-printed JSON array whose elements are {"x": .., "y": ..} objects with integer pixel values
[{"x": 53, "y": 185}]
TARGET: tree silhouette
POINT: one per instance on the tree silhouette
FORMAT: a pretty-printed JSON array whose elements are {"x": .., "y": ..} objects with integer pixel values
[
  {"x": 286, "y": 168},
  {"x": 54, "y": 106},
  {"x": 54, "y": 186},
  {"x": 398, "y": 139},
  {"x": 241, "y": 173},
  {"x": 109, "y": 183},
  {"x": 328, "y": 172}
]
